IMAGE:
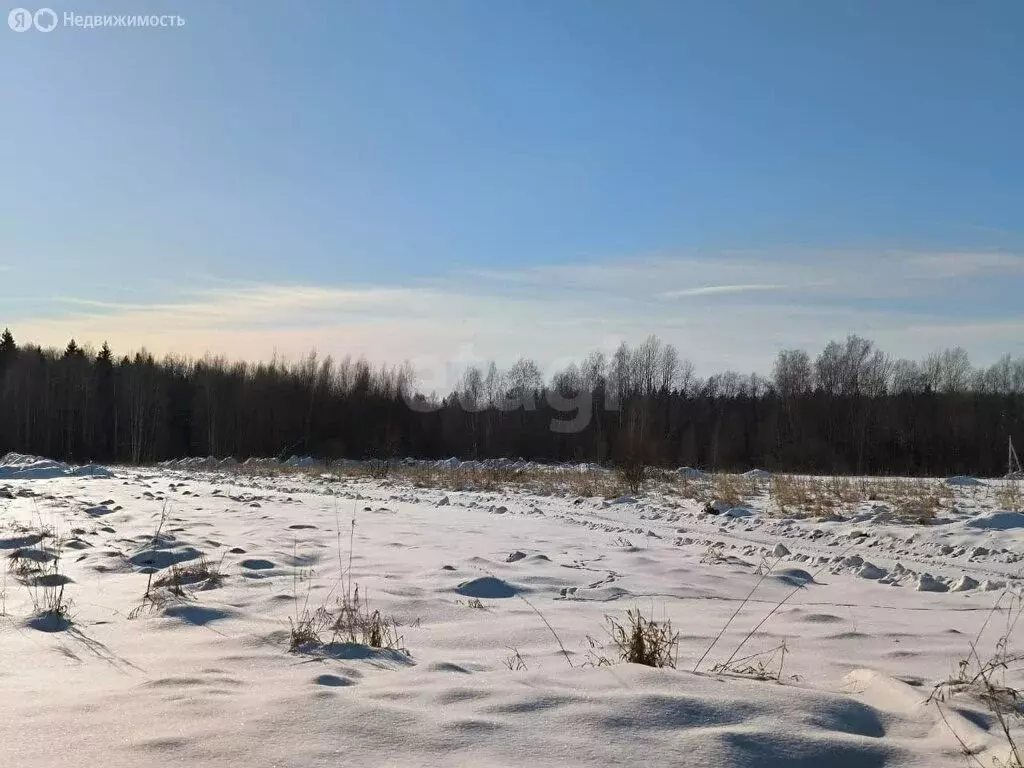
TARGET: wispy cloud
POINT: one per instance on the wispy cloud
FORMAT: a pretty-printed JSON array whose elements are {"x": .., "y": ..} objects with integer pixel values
[
  {"x": 946, "y": 265},
  {"x": 750, "y": 305},
  {"x": 254, "y": 304},
  {"x": 715, "y": 290}
]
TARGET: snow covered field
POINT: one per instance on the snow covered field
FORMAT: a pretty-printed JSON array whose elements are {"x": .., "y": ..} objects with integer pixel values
[{"x": 875, "y": 610}]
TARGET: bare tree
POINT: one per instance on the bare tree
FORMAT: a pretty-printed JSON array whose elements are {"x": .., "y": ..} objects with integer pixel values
[
  {"x": 594, "y": 370},
  {"x": 948, "y": 370},
  {"x": 669, "y": 365},
  {"x": 471, "y": 390},
  {"x": 828, "y": 369},
  {"x": 688, "y": 381},
  {"x": 792, "y": 373},
  {"x": 494, "y": 384},
  {"x": 620, "y": 376},
  {"x": 907, "y": 377},
  {"x": 876, "y": 374},
  {"x": 522, "y": 383},
  {"x": 645, "y": 361},
  {"x": 853, "y": 364}
]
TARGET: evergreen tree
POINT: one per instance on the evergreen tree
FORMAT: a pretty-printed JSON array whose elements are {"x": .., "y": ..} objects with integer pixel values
[
  {"x": 106, "y": 399},
  {"x": 8, "y": 349},
  {"x": 73, "y": 350},
  {"x": 852, "y": 409},
  {"x": 7, "y": 345}
]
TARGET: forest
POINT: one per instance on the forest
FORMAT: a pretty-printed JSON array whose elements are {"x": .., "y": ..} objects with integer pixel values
[{"x": 850, "y": 409}]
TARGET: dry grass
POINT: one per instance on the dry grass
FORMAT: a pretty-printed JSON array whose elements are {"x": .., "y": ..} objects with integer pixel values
[
  {"x": 25, "y": 562},
  {"x": 984, "y": 679},
  {"x": 550, "y": 482},
  {"x": 350, "y": 621},
  {"x": 845, "y": 490},
  {"x": 763, "y": 665},
  {"x": 309, "y": 628},
  {"x": 644, "y": 641},
  {"x": 494, "y": 480},
  {"x": 490, "y": 480},
  {"x": 632, "y": 474},
  {"x": 910, "y": 500},
  {"x": 181, "y": 575},
  {"x": 918, "y": 509},
  {"x": 355, "y": 623},
  {"x": 732, "y": 489},
  {"x": 516, "y": 662},
  {"x": 588, "y": 485},
  {"x": 685, "y": 488},
  {"x": 1010, "y": 496},
  {"x": 38, "y": 567},
  {"x": 793, "y": 496}
]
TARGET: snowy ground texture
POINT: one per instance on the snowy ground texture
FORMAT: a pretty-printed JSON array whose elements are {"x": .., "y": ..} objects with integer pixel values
[{"x": 879, "y": 611}]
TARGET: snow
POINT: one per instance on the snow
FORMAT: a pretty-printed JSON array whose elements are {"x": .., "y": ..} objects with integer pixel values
[
  {"x": 998, "y": 521},
  {"x": 739, "y": 512},
  {"x": 871, "y": 571},
  {"x": 873, "y": 612},
  {"x": 928, "y": 583},
  {"x": 963, "y": 480},
  {"x": 689, "y": 473},
  {"x": 17, "y": 466}
]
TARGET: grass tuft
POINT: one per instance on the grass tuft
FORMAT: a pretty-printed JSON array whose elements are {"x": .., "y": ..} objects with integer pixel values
[
  {"x": 633, "y": 473},
  {"x": 644, "y": 641},
  {"x": 350, "y": 621},
  {"x": 181, "y": 575},
  {"x": 515, "y": 662},
  {"x": 1010, "y": 496}
]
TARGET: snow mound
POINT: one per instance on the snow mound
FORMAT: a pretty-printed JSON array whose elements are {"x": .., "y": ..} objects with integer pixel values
[
  {"x": 689, "y": 473},
  {"x": 91, "y": 470},
  {"x": 717, "y": 507},
  {"x": 997, "y": 521},
  {"x": 796, "y": 577},
  {"x": 19, "y": 466},
  {"x": 964, "y": 584},
  {"x": 871, "y": 571},
  {"x": 739, "y": 512},
  {"x": 963, "y": 480},
  {"x": 928, "y": 583},
  {"x": 758, "y": 474},
  {"x": 487, "y": 587},
  {"x": 254, "y": 461}
]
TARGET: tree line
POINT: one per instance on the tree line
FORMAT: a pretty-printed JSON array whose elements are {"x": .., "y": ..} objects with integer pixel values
[{"x": 849, "y": 409}]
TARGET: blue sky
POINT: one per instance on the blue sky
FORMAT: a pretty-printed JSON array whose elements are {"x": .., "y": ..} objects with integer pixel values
[{"x": 451, "y": 180}]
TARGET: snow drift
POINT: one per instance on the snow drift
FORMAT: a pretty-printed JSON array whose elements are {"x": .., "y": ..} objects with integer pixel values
[{"x": 19, "y": 466}]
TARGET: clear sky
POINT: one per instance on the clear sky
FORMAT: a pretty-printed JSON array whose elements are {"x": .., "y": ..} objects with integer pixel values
[{"x": 462, "y": 179}]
